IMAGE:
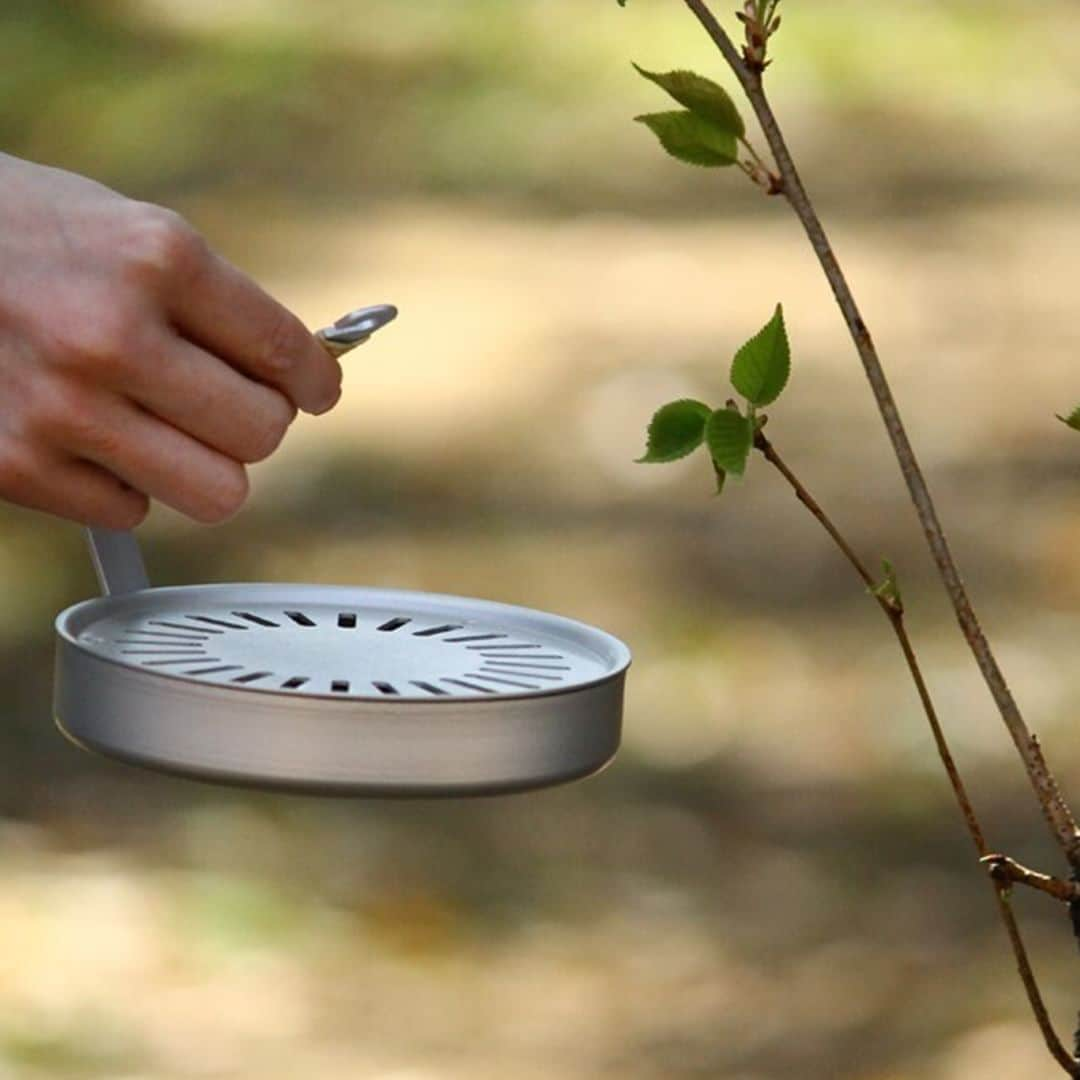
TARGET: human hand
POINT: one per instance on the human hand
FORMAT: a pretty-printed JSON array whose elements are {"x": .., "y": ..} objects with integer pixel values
[{"x": 134, "y": 362}]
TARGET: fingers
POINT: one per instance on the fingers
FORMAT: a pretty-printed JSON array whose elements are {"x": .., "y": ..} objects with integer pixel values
[
  {"x": 144, "y": 452},
  {"x": 196, "y": 393},
  {"x": 76, "y": 490},
  {"x": 223, "y": 310}
]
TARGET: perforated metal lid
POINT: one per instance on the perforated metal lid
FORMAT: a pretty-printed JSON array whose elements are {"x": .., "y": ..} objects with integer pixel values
[
  {"x": 359, "y": 644},
  {"x": 341, "y": 690}
]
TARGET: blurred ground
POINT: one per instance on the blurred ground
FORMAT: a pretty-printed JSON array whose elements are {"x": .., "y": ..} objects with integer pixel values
[{"x": 771, "y": 881}]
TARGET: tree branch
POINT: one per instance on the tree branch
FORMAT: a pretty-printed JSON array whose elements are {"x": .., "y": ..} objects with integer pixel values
[
  {"x": 1008, "y": 871},
  {"x": 1055, "y": 809},
  {"x": 1003, "y": 870},
  {"x": 1027, "y": 977},
  {"x": 894, "y": 612}
]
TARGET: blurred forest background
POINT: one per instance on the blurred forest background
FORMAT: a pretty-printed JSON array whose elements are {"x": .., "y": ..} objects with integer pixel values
[{"x": 772, "y": 880}]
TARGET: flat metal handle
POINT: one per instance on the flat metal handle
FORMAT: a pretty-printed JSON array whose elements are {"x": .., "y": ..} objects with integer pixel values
[{"x": 117, "y": 560}]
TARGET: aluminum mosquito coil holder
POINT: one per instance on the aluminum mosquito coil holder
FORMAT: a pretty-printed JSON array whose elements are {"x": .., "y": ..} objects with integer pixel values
[{"x": 335, "y": 690}]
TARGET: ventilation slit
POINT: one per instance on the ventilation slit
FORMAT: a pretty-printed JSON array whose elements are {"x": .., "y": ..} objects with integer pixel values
[
  {"x": 185, "y": 660},
  {"x": 505, "y": 682},
  {"x": 474, "y": 637},
  {"x": 347, "y": 620},
  {"x": 183, "y": 626},
  {"x": 524, "y": 674},
  {"x": 175, "y": 650},
  {"x": 470, "y": 686},
  {"x": 525, "y": 658},
  {"x": 162, "y": 643},
  {"x": 195, "y": 635},
  {"x": 164, "y": 646},
  {"x": 258, "y": 620},
  {"x": 251, "y": 676},
  {"x": 431, "y": 688},
  {"x": 385, "y": 687},
  {"x": 515, "y": 647},
  {"x": 395, "y": 624},
  {"x": 294, "y": 682},
  {"x": 299, "y": 618},
  {"x": 526, "y": 665},
  {"x": 340, "y": 686},
  {"x": 433, "y": 630},
  {"x": 213, "y": 670},
  {"x": 218, "y": 622}
]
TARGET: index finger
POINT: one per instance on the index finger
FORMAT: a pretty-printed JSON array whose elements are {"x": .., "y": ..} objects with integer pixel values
[{"x": 221, "y": 309}]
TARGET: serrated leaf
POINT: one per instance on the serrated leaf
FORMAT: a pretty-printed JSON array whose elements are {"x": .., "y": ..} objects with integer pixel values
[
  {"x": 676, "y": 429},
  {"x": 762, "y": 367},
  {"x": 701, "y": 96},
  {"x": 730, "y": 436},
  {"x": 688, "y": 137},
  {"x": 1073, "y": 419}
]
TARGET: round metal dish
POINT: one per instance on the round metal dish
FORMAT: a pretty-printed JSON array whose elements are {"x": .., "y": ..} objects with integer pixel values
[{"x": 339, "y": 690}]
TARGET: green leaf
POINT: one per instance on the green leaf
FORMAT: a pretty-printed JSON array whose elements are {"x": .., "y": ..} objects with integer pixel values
[
  {"x": 761, "y": 368},
  {"x": 701, "y": 96},
  {"x": 1073, "y": 419},
  {"x": 686, "y": 136},
  {"x": 730, "y": 436},
  {"x": 677, "y": 429}
]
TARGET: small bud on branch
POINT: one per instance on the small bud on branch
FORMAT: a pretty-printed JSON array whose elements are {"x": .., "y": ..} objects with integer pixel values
[{"x": 760, "y": 22}]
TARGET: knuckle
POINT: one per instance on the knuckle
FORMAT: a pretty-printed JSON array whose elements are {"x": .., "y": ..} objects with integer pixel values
[
  {"x": 18, "y": 475},
  {"x": 53, "y": 410},
  {"x": 271, "y": 430},
  {"x": 65, "y": 413},
  {"x": 224, "y": 495},
  {"x": 88, "y": 433},
  {"x": 103, "y": 341},
  {"x": 159, "y": 242},
  {"x": 283, "y": 342}
]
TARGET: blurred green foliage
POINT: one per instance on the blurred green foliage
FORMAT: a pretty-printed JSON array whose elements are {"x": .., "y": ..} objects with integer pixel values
[{"x": 527, "y": 101}]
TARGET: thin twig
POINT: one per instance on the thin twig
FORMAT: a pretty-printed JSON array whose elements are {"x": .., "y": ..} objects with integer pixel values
[
  {"x": 759, "y": 161},
  {"x": 1010, "y": 872},
  {"x": 894, "y": 612},
  {"x": 1055, "y": 809},
  {"x": 1027, "y": 977},
  {"x": 1002, "y": 870},
  {"x": 751, "y": 171},
  {"x": 762, "y": 443}
]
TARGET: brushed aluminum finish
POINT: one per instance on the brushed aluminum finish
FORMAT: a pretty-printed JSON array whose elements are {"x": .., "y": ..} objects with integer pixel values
[{"x": 339, "y": 690}]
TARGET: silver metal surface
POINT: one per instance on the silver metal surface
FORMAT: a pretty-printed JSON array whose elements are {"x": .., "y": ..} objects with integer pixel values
[
  {"x": 117, "y": 560},
  {"x": 333, "y": 690},
  {"x": 356, "y": 327},
  {"x": 340, "y": 690}
]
